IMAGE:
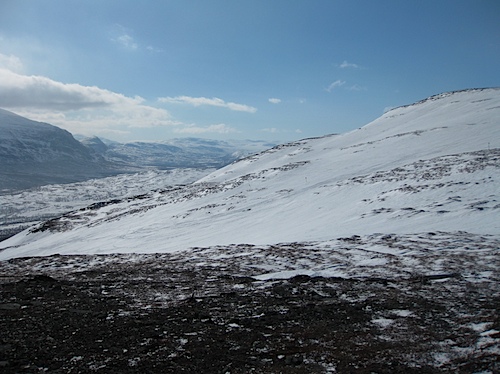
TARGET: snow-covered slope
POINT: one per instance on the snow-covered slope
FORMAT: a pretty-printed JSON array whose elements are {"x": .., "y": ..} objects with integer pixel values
[
  {"x": 25, "y": 208},
  {"x": 427, "y": 167}
]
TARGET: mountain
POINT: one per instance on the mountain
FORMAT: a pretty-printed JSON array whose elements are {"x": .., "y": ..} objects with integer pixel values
[
  {"x": 35, "y": 153},
  {"x": 176, "y": 153},
  {"x": 95, "y": 144},
  {"x": 430, "y": 167}
]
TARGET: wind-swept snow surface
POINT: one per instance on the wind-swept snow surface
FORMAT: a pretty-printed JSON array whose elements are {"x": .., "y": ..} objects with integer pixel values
[
  {"x": 430, "y": 166},
  {"x": 25, "y": 208}
]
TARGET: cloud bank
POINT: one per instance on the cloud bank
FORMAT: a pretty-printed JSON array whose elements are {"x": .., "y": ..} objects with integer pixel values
[
  {"x": 199, "y": 101},
  {"x": 91, "y": 110},
  {"x": 77, "y": 108},
  {"x": 22, "y": 91}
]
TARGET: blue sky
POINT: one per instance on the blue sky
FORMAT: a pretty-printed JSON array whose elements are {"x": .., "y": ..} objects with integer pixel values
[{"x": 231, "y": 69}]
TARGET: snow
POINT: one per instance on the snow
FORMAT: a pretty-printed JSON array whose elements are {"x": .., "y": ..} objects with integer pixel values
[
  {"x": 480, "y": 327},
  {"x": 32, "y": 206},
  {"x": 383, "y": 322},
  {"x": 428, "y": 167},
  {"x": 402, "y": 313}
]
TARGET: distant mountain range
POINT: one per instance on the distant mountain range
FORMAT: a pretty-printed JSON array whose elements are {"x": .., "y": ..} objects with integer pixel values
[
  {"x": 175, "y": 153},
  {"x": 34, "y": 154}
]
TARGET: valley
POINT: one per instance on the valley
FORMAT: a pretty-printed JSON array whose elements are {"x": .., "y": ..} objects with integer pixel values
[{"x": 22, "y": 209}]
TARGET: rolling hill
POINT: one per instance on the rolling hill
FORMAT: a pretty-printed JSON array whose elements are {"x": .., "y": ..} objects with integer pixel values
[{"x": 430, "y": 166}]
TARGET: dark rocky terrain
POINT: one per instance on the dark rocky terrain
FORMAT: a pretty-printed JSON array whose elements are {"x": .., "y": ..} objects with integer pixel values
[{"x": 205, "y": 311}]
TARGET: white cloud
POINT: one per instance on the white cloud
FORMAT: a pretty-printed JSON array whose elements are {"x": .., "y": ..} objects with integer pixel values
[
  {"x": 154, "y": 49},
  {"x": 333, "y": 85},
  {"x": 219, "y": 129},
  {"x": 17, "y": 90},
  {"x": 122, "y": 37},
  {"x": 274, "y": 100},
  {"x": 346, "y": 64},
  {"x": 11, "y": 62},
  {"x": 199, "y": 101},
  {"x": 340, "y": 83},
  {"x": 126, "y": 41},
  {"x": 357, "y": 87},
  {"x": 77, "y": 108}
]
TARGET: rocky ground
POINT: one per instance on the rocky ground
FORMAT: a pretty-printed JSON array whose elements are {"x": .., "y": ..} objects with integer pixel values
[{"x": 248, "y": 309}]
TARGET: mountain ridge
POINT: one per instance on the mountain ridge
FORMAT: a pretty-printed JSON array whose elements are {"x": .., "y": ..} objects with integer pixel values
[
  {"x": 34, "y": 154},
  {"x": 177, "y": 152},
  {"x": 444, "y": 94}
]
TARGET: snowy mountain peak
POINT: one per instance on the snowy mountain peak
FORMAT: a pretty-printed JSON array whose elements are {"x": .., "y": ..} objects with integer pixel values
[
  {"x": 426, "y": 167},
  {"x": 94, "y": 143}
]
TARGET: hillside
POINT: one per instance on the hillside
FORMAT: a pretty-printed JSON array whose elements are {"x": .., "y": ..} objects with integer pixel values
[
  {"x": 25, "y": 208},
  {"x": 424, "y": 167},
  {"x": 34, "y": 153}
]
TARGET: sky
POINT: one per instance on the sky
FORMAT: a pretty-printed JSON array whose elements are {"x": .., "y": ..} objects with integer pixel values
[{"x": 277, "y": 70}]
